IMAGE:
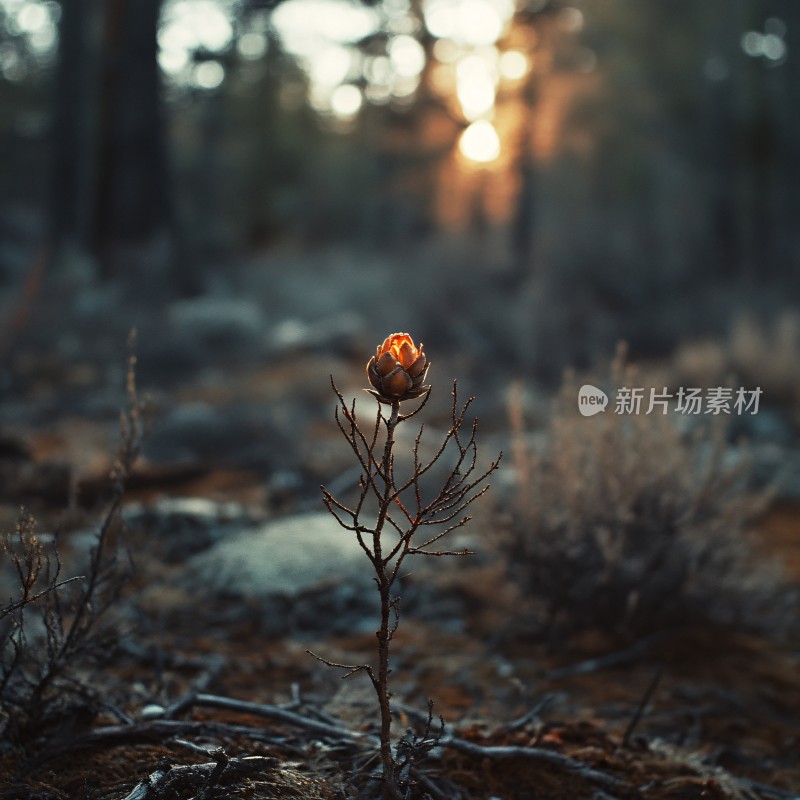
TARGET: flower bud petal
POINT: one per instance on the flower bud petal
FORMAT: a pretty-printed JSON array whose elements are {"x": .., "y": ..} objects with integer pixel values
[
  {"x": 417, "y": 367},
  {"x": 414, "y": 393},
  {"x": 407, "y": 354},
  {"x": 387, "y": 342},
  {"x": 397, "y": 383},
  {"x": 385, "y": 364},
  {"x": 379, "y": 397},
  {"x": 372, "y": 374}
]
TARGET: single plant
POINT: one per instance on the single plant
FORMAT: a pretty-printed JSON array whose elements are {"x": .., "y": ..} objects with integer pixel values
[{"x": 403, "y": 519}]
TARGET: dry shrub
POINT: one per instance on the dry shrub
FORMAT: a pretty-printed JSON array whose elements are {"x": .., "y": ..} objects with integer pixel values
[
  {"x": 755, "y": 354},
  {"x": 53, "y": 630},
  {"x": 631, "y": 524},
  {"x": 769, "y": 356}
]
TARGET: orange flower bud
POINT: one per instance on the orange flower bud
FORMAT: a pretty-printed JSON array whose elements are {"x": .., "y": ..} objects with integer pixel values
[{"x": 397, "y": 370}]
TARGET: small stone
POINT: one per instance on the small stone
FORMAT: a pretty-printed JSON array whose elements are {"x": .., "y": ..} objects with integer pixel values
[{"x": 152, "y": 711}]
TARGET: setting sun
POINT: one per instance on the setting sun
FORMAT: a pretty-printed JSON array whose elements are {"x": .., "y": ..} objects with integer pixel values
[
  {"x": 474, "y": 87},
  {"x": 480, "y": 142}
]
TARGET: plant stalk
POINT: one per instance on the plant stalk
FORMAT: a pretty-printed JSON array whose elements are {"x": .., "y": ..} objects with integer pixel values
[{"x": 384, "y": 633}]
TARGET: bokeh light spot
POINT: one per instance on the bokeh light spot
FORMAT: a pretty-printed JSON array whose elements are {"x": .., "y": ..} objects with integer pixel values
[
  {"x": 469, "y": 22},
  {"x": 753, "y": 43},
  {"x": 513, "y": 65},
  {"x": 212, "y": 28},
  {"x": 446, "y": 51},
  {"x": 329, "y": 67},
  {"x": 252, "y": 45},
  {"x": 479, "y": 23},
  {"x": 441, "y": 18},
  {"x": 776, "y": 26},
  {"x": 404, "y": 88},
  {"x": 773, "y": 47},
  {"x": 44, "y": 39},
  {"x": 571, "y": 19},
  {"x": 32, "y": 17},
  {"x": 208, "y": 75},
  {"x": 304, "y": 25},
  {"x": 346, "y": 101},
  {"x": 378, "y": 70},
  {"x": 475, "y": 87},
  {"x": 406, "y": 55},
  {"x": 480, "y": 142},
  {"x": 378, "y": 94},
  {"x": 172, "y": 61}
]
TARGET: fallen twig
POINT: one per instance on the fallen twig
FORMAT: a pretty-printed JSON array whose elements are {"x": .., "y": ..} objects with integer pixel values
[
  {"x": 199, "y": 776},
  {"x": 506, "y": 753},
  {"x": 769, "y": 791},
  {"x": 601, "y": 795},
  {"x": 566, "y": 763},
  {"x": 601, "y": 662},
  {"x": 153, "y": 731},
  {"x": 529, "y": 716},
  {"x": 157, "y": 730},
  {"x": 269, "y": 712}
]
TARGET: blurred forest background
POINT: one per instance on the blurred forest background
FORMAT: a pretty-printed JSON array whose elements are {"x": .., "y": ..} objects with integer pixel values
[
  {"x": 534, "y": 180},
  {"x": 266, "y": 189}
]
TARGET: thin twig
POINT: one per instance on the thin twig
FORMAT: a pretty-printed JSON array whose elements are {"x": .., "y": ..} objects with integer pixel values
[
  {"x": 352, "y": 669},
  {"x": 275, "y": 713},
  {"x": 649, "y": 692},
  {"x": 508, "y": 753},
  {"x": 156, "y": 730},
  {"x": 770, "y": 791},
  {"x": 601, "y": 662},
  {"x": 531, "y": 715},
  {"x": 25, "y": 601}
]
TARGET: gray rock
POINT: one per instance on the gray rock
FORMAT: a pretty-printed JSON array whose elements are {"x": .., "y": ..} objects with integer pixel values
[
  {"x": 283, "y": 558},
  {"x": 342, "y": 332},
  {"x": 152, "y": 711},
  {"x": 218, "y": 320},
  {"x": 301, "y": 575},
  {"x": 178, "y": 528}
]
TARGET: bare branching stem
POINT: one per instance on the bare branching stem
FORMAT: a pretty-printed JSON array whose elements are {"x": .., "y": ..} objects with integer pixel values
[
  {"x": 402, "y": 509},
  {"x": 384, "y": 633}
]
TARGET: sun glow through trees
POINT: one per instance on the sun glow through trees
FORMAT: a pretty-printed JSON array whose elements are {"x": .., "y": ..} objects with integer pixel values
[{"x": 353, "y": 54}]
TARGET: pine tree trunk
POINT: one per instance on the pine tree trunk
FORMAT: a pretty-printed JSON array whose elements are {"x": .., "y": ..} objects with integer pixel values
[
  {"x": 132, "y": 194},
  {"x": 70, "y": 140}
]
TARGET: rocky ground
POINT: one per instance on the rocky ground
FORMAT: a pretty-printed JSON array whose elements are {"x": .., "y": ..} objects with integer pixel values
[{"x": 238, "y": 571}]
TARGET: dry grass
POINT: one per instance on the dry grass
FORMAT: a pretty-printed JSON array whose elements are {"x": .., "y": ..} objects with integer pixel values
[
  {"x": 628, "y": 523},
  {"x": 53, "y": 629},
  {"x": 754, "y": 354}
]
